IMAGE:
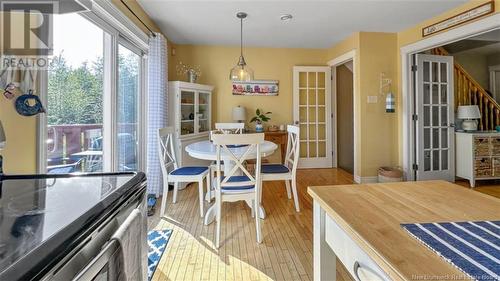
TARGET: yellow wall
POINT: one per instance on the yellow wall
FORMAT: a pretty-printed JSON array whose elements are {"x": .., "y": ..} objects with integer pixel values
[
  {"x": 414, "y": 34},
  {"x": 19, "y": 154},
  {"x": 376, "y": 52},
  {"x": 379, "y": 147},
  {"x": 20, "y": 149},
  {"x": 375, "y": 130},
  {"x": 476, "y": 65},
  {"x": 139, "y": 12},
  {"x": 215, "y": 63}
]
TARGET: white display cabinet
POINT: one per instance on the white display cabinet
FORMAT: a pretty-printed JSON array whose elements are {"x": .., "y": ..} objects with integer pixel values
[{"x": 190, "y": 113}]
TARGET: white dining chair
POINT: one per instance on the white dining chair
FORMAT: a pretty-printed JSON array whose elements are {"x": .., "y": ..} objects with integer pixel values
[
  {"x": 233, "y": 187},
  {"x": 178, "y": 175},
  {"x": 288, "y": 170},
  {"x": 230, "y": 128},
  {"x": 224, "y": 128}
]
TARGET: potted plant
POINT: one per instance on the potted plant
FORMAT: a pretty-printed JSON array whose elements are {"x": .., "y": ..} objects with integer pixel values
[{"x": 259, "y": 118}]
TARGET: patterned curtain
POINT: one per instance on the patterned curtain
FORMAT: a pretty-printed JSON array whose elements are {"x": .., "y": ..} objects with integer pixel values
[{"x": 157, "y": 107}]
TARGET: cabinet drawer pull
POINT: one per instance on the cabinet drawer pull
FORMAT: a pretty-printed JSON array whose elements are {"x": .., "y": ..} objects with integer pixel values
[
  {"x": 355, "y": 270},
  {"x": 368, "y": 273}
]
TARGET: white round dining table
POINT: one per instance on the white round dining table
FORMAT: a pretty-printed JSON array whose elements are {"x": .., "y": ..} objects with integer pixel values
[{"x": 206, "y": 150}]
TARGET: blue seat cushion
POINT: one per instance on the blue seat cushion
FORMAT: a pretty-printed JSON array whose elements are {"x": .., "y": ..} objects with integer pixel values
[
  {"x": 189, "y": 171},
  {"x": 237, "y": 179},
  {"x": 236, "y": 145},
  {"x": 274, "y": 169}
]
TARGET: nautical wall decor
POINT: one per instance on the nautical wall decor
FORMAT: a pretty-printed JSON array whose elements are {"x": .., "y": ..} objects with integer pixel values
[{"x": 29, "y": 104}]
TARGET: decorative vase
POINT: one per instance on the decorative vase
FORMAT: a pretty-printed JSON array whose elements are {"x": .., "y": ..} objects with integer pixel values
[
  {"x": 259, "y": 128},
  {"x": 192, "y": 76}
]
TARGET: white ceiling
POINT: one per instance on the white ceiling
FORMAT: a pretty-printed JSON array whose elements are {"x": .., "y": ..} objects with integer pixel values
[
  {"x": 482, "y": 51},
  {"x": 315, "y": 24}
]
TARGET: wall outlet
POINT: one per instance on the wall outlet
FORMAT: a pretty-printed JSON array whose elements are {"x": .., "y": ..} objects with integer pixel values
[{"x": 372, "y": 99}]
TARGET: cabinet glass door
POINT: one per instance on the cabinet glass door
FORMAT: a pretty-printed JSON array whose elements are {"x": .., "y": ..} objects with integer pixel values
[
  {"x": 187, "y": 112},
  {"x": 203, "y": 112}
]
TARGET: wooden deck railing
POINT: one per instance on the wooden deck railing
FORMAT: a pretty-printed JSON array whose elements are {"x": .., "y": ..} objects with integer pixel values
[
  {"x": 469, "y": 92},
  {"x": 66, "y": 140}
]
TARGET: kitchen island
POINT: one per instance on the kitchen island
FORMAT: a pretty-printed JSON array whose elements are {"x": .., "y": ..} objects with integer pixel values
[{"x": 360, "y": 225}]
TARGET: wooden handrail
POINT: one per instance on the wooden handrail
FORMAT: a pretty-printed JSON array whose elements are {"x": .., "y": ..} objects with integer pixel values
[{"x": 469, "y": 92}]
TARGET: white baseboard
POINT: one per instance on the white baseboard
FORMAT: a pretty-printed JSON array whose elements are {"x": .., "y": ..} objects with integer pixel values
[{"x": 358, "y": 179}]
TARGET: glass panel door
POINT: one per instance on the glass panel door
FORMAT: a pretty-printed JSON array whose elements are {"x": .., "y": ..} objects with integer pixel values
[
  {"x": 187, "y": 112},
  {"x": 75, "y": 97},
  {"x": 312, "y": 115},
  {"x": 127, "y": 109},
  {"x": 203, "y": 112},
  {"x": 435, "y": 134}
]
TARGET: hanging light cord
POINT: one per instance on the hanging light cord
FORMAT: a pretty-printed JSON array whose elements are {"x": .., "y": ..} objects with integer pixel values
[{"x": 241, "y": 36}]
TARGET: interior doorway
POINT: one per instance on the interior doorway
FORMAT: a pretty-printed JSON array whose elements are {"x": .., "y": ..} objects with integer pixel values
[
  {"x": 408, "y": 52},
  {"x": 344, "y": 88}
]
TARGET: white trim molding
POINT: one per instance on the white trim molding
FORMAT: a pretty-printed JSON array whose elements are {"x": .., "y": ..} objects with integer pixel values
[
  {"x": 462, "y": 32},
  {"x": 346, "y": 57},
  {"x": 358, "y": 179},
  {"x": 105, "y": 9},
  {"x": 493, "y": 77}
]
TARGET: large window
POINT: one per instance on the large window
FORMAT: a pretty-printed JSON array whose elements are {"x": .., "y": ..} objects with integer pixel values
[
  {"x": 94, "y": 97},
  {"x": 75, "y": 97},
  {"x": 127, "y": 111}
]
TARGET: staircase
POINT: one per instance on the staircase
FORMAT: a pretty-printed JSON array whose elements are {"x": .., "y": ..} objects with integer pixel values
[{"x": 469, "y": 92}]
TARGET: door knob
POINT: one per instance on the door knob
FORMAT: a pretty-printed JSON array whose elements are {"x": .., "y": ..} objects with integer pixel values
[{"x": 296, "y": 122}]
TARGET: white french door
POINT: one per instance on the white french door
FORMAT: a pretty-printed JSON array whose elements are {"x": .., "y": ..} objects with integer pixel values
[
  {"x": 435, "y": 132},
  {"x": 312, "y": 113}
]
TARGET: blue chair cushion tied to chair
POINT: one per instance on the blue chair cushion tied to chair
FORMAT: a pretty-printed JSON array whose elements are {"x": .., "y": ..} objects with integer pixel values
[
  {"x": 237, "y": 179},
  {"x": 274, "y": 169},
  {"x": 189, "y": 171}
]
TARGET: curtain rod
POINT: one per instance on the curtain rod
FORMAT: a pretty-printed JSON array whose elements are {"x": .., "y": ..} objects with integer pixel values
[{"x": 135, "y": 15}]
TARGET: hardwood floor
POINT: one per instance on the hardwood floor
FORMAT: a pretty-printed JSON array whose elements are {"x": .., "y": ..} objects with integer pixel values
[
  {"x": 286, "y": 251},
  {"x": 490, "y": 187}
]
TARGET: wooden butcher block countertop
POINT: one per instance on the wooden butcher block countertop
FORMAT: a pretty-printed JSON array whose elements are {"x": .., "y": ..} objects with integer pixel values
[{"x": 372, "y": 214}]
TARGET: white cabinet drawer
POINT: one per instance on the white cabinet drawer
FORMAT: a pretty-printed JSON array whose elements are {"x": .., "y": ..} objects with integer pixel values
[{"x": 351, "y": 255}]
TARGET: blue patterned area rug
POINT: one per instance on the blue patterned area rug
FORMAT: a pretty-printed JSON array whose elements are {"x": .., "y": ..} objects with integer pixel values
[
  {"x": 472, "y": 247},
  {"x": 157, "y": 243}
]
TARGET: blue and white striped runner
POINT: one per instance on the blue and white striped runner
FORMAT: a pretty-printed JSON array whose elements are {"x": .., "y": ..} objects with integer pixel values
[{"x": 473, "y": 247}]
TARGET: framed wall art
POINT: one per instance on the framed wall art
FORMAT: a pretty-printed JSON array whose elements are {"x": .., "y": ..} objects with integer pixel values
[{"x": 256, "y": 88}]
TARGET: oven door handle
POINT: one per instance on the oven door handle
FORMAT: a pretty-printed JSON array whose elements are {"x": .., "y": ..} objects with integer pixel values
[{"x": 98, "y": 263}]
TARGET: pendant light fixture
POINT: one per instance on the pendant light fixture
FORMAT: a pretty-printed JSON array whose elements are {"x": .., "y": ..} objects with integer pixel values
[{"x": 241, "y": 72}]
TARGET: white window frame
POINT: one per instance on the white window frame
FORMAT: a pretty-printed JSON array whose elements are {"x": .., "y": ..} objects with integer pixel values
[
  {"x": 119, "y": 29},
  {"x": 142, "y": 100}
]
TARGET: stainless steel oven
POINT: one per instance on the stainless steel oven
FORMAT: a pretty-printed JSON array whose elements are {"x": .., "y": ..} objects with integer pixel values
[{"x": 80, "y": 248}]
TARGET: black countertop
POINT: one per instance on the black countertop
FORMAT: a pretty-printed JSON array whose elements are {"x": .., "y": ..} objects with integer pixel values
[{"x": 42, "y": 216}]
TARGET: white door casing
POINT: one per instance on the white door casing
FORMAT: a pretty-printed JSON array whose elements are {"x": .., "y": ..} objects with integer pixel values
[
  {"x": 312, "y": 113},
  {"x": 435, "y": 135},
  {"x": 495, "y": 81},
  {"x": 471, "y": 29}
]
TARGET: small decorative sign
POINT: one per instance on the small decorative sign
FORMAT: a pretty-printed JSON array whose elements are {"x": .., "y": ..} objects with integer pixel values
[
  {"x": 472, "y": 14},
  {"x": 256, "y": 88}
]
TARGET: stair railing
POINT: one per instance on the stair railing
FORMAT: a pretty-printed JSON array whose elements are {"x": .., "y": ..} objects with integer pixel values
[{"x": 469, "y": 92}]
